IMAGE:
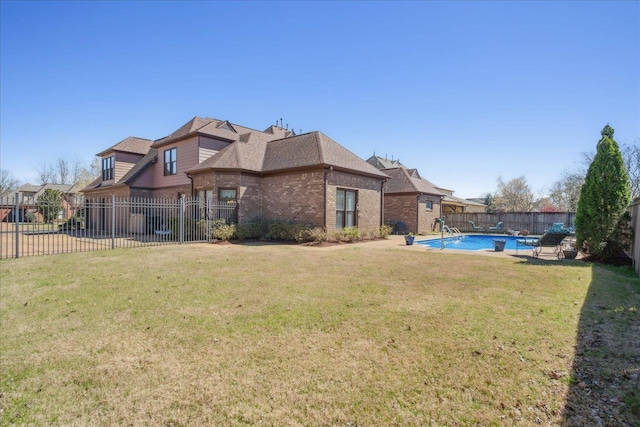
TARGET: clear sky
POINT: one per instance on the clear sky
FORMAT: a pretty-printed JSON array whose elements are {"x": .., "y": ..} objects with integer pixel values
[{"x": 463, "y": 91}]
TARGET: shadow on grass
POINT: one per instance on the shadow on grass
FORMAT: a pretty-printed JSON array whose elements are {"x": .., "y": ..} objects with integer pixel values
[{"x": 605, "y": 377}]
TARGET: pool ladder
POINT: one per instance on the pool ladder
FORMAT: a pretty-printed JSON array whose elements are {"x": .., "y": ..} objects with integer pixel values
[{"x": 453, "y": 231}]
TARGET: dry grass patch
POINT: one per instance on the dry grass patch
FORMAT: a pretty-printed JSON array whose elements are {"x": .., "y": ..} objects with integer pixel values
[{"x": 284, "y": 335}]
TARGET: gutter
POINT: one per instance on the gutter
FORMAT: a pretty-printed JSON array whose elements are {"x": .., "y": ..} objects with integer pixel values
[{"x": 191, "y": 178}]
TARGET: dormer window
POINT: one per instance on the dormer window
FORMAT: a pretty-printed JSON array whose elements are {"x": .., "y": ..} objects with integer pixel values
[
  {"x": 171, "y": 161},
  {"x": 107, "y": 168}
]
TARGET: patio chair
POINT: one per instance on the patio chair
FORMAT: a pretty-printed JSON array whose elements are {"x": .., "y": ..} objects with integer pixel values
[
  {"x": 475, "y": 227},
  {"x": 547, "y": 240},
  {"x": 497, "y": 228},
  {"x": 557, "y": 227}
]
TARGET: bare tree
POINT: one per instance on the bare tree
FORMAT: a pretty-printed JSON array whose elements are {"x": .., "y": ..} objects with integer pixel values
[
  {"x": 8, "y": 184},
  {"x": 83, "y": 176},
  {"x": 47, "y": 174},
  {"x": 631, "y": 157},
  {"x": 64, "y": 171},
  {"x": 565, "y": 192},
  {"x": 513, "y": 196}
]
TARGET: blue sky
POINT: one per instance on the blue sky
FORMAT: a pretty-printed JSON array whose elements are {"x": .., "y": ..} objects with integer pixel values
[{"x": 463, "y": 91}]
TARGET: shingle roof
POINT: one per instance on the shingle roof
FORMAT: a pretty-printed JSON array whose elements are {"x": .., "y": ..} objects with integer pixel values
[
  {"x": 408, "y": 181},
  {"x": 384, "y": 163},
  {"x": 256, "y": 152},
  {"x": 29, "y": 188},
  {"x": 222, "y": 129},
  {"x": 131, "y": 144},
  {"x": 245, "y": 154},
  {"x": 313, "y": 149}
]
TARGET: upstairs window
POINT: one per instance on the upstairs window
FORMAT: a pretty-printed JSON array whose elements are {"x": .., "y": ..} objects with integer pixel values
[
  {"x": 171, "y": 161},
  {"x": 346, "y": 202},
  {"x": 107, "y": 168}
]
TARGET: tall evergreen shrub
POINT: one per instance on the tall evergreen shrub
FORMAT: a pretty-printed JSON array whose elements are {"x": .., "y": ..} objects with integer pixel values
[{"x": 604, "y": 199}]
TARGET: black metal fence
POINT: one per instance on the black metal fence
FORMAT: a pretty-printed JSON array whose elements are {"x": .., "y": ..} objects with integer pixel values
[{"x": 48, "y": 227}]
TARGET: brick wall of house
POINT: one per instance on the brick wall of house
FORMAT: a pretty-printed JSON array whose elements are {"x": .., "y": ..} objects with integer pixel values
[
  {"x": 369, "y": 191},
  {"x": 248, "y": 188},
  {"x": 172, "y": 193},
  {"x": 107, "y": 192},
  {"x": 411, "y": 209},
  {"x": 142, "y": 193},
  {"x": 427, "y": 218},
  {"x": 100, "y": 219},
  {"x": 295, "y": 196},
  {"x": 402, "y": 207},
  {"x": 250, "y": 198}
]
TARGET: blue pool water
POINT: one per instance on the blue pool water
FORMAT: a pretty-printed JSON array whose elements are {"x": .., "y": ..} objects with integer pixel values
[{"x": 473, "y": 242}]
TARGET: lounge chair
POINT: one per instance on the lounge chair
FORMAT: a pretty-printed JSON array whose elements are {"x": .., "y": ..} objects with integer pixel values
[
  {"x": 475, "y": 227},
  {"x": 497, "y": 228},
  {"x": 558, "y": 227},
  {"x": 547, "y": 240}
]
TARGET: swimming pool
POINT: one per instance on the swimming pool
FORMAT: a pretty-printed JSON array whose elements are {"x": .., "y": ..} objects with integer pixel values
[{"x": 472, "y": 242}]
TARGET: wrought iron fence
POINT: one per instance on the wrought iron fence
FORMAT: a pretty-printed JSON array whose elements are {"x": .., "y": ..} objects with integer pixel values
[{"x": 45, "y": 227}]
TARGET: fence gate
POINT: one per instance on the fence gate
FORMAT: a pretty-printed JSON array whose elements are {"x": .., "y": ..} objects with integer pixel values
[{"x": 43, "y": 227}]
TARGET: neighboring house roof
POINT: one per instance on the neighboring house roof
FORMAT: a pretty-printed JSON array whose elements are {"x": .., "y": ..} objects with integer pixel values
[
  {"x": 29, "y": 188},
  {"x": 408, "y": 181},
  {"x": 63, "y": 188},
  {"x": 131, "y": 144},
  {"x": 254, "y": 152},
  {"x": 384, "y": 163},
  {"x": 39, "y": 189},
  {"x": 477, "y": 200}
]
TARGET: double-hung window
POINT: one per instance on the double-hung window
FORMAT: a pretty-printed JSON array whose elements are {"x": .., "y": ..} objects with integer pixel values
[
  {"x": 171, "y": 161},
  {"x": 346, "y": 202},
  {"x": 227, "y": 195},
  {"x": 107, "y": 168}
]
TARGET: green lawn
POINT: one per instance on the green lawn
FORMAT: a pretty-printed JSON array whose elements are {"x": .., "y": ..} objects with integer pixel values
[{"x": 291, "y": 335}]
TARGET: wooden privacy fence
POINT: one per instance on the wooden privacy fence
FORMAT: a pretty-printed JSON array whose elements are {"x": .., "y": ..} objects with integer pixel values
[
  {"x": 42, "y": 228},
  {"x": 634, "y": 210},
  {"x": 534, "y": 222}
]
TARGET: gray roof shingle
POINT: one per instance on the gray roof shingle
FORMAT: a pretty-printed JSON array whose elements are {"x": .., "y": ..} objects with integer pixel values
[
  {"x": 131, "y": 144},
  {"x": 257, "y": 152},
  {"x": 408, "y": 181},
  {"x": 314, "y": 149}
]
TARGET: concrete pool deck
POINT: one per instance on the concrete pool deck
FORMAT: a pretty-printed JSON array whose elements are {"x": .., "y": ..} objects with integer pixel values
[{"x": 397, "y": 242}]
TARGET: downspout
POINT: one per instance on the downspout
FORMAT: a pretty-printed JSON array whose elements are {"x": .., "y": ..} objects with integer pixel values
[
  {"x": 418, "y": 213},
  {"x": 191, "y": 178},
  {"x": 382, "y": 201}
]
